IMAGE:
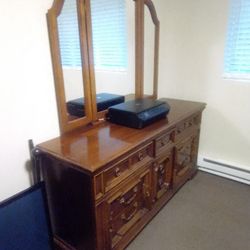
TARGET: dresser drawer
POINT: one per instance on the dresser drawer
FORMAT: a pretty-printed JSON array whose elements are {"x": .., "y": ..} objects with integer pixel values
[
  {"x": 125, "y": 199},
  {"x": 128, "y": 215},
  {"x": 185, "y": 127},
  {"x": 127, "y": 206},
  {"x": 119, "y": 171},
  {"x": 164, "y": 141},
  {"x": 162, "y": 174},
  {"x": 185, "y": 159}
]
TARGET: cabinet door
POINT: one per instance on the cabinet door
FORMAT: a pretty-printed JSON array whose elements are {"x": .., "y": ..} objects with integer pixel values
[
  {"x": 162, "y": 175},
  {"x": 128, "y": 206},
  {"x": 185, "y": 159}
]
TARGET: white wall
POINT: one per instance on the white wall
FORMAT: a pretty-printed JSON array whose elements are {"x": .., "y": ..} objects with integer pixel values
[
  {"x": 191, "y": 67},
  {"x": 27, "y": 99}
]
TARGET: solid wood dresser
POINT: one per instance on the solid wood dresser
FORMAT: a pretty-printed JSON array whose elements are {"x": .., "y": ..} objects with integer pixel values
[{"x": 106, "y": 182}]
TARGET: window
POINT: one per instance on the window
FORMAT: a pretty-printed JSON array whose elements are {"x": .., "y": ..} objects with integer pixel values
[
  {"x": 237, "y": 51},
  {"x": 109, "y": 34}
]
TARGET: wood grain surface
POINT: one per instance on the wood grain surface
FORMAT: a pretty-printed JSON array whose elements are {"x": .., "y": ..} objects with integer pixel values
[{"x": 90, "y": 148}]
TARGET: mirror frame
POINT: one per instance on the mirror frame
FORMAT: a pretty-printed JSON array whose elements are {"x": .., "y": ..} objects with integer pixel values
[
  {"x": 87, "y": 58},
  {"x": 65, "y": 124},
  {"x": 139, "y": 43}
]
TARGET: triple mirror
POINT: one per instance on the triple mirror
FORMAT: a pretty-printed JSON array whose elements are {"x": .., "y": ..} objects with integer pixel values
[{"x": 101, "y": 47}]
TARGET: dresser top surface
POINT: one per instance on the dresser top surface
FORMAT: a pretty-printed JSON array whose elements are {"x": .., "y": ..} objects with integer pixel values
[{"x": 90, "y": 149}]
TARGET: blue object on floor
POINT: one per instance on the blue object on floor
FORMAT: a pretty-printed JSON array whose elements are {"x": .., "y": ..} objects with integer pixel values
[{"x": 24, "y": 221}]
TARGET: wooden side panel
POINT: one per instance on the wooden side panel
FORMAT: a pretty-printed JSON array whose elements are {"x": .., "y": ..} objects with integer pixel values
[{"x": 70, "y": 203}]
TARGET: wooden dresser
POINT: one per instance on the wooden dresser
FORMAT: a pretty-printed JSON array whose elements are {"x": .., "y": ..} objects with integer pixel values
[{"x": 106, "y": 182}]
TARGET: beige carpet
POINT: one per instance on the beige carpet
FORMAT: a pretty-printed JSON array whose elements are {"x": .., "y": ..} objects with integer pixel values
[{"x": 208, "y": 213}]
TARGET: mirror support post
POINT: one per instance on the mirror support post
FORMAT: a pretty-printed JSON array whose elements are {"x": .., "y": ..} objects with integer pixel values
[
  {"x": 139, "y": 48},
  {"x": 156, "y": 22},
  {"x": 56, "y": 62}
]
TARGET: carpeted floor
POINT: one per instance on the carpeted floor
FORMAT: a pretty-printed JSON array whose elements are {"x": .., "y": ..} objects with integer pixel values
[{"x": 208, "y": 213}]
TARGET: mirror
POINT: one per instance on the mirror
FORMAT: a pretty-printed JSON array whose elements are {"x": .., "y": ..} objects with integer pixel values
[
  {"x": 69, "y": 45},
  {"x": 122, "y": 65},
  {"x": 97, "y": 47},
  {"x": 113, "y": 39},
  {"x": 67, "y": 32}
]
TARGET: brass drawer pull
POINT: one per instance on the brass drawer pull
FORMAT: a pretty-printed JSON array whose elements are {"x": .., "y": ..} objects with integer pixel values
[
  {"x": 183, "y": 171},
  {"x": 163, "y": 184},
  {"x": 129, "y": 201},
  {"x": 123, "y": 216},
  {"x": 117, "y": 172},
  {"x": 166, "y": 185},
  {"x": 140, "y": 156},
  {"x": 161, "y": 167}
]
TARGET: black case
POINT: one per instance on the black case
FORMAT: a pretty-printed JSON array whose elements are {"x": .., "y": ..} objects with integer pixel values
[
  {"x": 103, "y": 101},
  {"x": 138, "y": 113}
]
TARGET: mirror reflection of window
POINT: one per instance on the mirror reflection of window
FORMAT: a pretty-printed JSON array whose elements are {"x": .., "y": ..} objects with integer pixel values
[
  {"x": 113, "y": 45},
  {"x": 70, "y": 51},
  {"x": 69, "y": 41}
]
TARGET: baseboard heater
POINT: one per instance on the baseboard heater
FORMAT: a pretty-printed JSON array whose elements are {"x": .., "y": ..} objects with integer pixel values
[{"x": 227, "y": 170}]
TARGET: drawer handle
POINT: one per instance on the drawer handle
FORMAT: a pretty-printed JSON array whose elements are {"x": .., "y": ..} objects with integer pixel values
[
  {"x": 183, "y": 171},
  {"x": 162, "y": 143},
  {"x": 117, "y": 172},
  {"x": 129, "y": 201},
  {"x": 155, "y": 165},
  {"x": 162, "y": 167},
  {"x": 123, "y": 217},
  {"x": 140, "y": 156},
  {"x": 166, "y": 185},
  {"x": 184, "y": 161}
]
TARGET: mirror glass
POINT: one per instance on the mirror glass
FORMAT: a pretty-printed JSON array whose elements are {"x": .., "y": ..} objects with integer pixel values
[
  {"x": 149, "y": 35},
  {"x": 69, "y": 42},
  {"x": 113, "y": 35}
]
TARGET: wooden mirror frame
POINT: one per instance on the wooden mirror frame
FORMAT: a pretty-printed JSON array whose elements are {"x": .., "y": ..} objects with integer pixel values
[
  {"x": 139, "y": 43},
  {"x": 87, "y": 59},
  {"x": 67, "y": 125}
]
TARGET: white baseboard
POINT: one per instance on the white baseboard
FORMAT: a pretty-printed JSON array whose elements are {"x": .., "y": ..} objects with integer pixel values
[{"x": 227, "y": 170}]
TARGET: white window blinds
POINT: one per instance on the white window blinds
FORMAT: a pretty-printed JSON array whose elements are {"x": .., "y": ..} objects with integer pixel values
[
  {"x": 69, "y": 35},
  {"x": 109, "y": 33},
  {"x": 237, "y": 51}
]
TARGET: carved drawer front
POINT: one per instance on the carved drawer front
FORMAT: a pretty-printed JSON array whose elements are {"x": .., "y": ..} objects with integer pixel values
[
  {"x": 185, "y": 127},
  {"x": 128, "y": 206},
  {"x": 125, "y": 199},
  {"x": 119, "y": 171},
  {"x": 186, "y": 157},
  {"x": 146, "y": 153},
  {"x": 165, "y": 141},
  {"x": 162, "y": 174}
]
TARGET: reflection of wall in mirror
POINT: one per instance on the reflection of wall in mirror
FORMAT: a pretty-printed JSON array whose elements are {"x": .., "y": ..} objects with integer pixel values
[{"x": 73, "y": 82}]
